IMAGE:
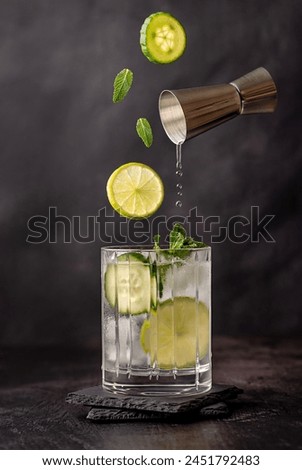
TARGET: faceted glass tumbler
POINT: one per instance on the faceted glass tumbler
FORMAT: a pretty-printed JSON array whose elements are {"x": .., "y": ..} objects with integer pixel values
[{"x": 156, "y": 321}]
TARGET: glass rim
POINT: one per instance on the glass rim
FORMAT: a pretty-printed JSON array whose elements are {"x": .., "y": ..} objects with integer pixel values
[{"x": 149, "y": 248}]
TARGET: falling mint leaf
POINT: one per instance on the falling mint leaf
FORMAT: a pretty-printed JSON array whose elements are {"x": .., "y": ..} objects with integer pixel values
[
  {"x": 144, "y": 131},
  {"x": 122, "y": 84}
]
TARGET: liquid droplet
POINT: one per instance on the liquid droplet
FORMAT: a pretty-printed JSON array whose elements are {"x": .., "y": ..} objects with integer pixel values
[
  {"x": 178, "y": 203},
  {"x": 179, "y": 173},
  {"x": 179, "y": 193},
  {"x": 179, "y": 186}
]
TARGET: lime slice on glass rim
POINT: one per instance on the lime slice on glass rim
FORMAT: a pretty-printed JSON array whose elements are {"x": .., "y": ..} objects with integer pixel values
[
  {"x": 162, "y": 38},
  {"x": 176, "y": 333},
  {"x": 135, "y": 190}
]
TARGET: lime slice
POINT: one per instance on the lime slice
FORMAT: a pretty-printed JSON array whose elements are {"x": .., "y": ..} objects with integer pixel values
[
  {"x": 178, "y": 331},
  {"x": 135, "y": 190},
  {"x": 162, "y": 38}
]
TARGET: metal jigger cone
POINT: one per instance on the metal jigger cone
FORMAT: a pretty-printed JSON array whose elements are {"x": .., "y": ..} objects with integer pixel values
[{"x": 189, "y": 112}]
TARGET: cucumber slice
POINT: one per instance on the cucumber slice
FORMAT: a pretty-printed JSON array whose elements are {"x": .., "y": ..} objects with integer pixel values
[
  {"x": 162, "y": 38},
  {"x": 129, "y": 285},
  {"x": 110, "y": 284}
]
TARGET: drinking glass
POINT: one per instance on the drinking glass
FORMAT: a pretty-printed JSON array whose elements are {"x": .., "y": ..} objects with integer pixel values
[{"x": 156, "y": 321}]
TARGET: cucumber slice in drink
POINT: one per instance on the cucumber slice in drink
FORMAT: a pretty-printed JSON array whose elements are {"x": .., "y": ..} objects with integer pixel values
[
  {"x": 129, "y": 285},
  {"x": 110, "y": 284},
  {"x": 162, "y": 38}
]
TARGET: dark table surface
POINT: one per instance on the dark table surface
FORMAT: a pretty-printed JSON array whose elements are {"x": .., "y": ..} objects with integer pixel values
[{"x": 34, "y": 415}]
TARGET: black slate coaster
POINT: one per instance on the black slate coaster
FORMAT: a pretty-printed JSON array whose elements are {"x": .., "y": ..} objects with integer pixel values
[
  {"x": 217, "y": 410},
  {"x": 99, "y": 398}
]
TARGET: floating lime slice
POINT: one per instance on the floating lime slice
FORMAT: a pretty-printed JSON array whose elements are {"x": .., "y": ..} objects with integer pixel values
[{"x": 135, "y": 190}]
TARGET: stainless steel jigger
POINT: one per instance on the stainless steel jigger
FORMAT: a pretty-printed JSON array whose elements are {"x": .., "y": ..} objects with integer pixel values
[{"x": 189, "y": 112}]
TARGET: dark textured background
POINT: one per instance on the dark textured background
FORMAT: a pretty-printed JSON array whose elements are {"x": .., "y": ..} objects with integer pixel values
[{"x": 61, "y": 137}]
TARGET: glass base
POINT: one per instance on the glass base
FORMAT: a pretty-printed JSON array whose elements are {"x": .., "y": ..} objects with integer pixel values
[{"x": 170, "y": 384}]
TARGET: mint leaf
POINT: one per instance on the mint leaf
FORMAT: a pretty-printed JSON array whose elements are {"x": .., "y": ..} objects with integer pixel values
[
  {"x": 191, "y": 243},
  {"x": 176, "y": 240},
  {"x": 122, "y": 84},
  {"x": 179, "y": 228},
  {"x": 144, "y": 131}
]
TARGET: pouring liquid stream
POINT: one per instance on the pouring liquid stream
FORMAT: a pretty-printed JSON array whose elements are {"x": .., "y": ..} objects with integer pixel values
[{"x": 179, "y": 174}]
